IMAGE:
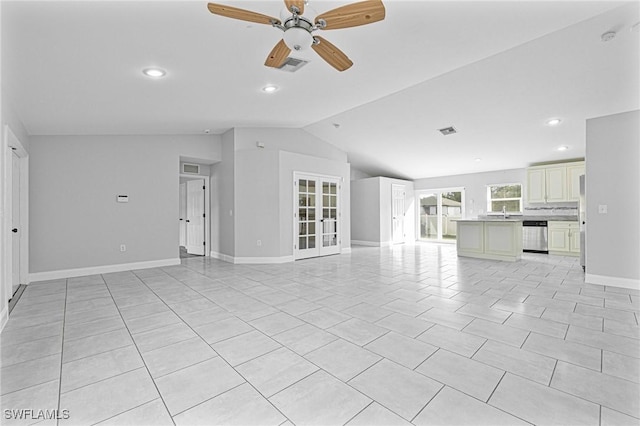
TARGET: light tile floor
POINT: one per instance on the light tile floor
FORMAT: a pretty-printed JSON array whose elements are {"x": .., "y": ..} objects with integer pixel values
[{"x": 409, "y": 334}]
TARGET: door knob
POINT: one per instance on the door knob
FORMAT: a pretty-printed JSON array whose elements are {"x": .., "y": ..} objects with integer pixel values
[
  {"x": 14, "y": 230},
  {"x": 187, "y": 220}
]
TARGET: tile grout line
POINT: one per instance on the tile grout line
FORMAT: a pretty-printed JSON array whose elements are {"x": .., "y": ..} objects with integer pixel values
[
  {"x": 64, "y": 315},
  {"x": 139, "y": 353}
]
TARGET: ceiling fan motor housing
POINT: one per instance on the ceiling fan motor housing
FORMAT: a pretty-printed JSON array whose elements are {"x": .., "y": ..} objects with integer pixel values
[{"x": 297, "y": 31}]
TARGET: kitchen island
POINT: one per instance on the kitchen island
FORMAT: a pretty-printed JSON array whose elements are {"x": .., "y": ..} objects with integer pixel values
[{"x": 497, "y": 239}]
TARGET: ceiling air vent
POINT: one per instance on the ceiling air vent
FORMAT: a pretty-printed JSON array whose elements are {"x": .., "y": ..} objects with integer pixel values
[
  {"x": 293, "y": 64},
  {"x": 448, "y": 131}
]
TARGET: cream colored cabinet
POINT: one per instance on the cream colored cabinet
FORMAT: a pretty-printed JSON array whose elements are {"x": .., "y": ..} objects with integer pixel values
[
  {"x": 564, "y": 238},
  {"x": 554, "y": 183},
  {"x": 574, "y": 171}
]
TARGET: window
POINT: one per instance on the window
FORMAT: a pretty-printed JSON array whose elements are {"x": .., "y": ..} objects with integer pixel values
[{"x": 507, "y": 195}]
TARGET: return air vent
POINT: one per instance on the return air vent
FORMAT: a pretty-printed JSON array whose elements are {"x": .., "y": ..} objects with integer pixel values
[
  {"x": 448, "y": 130},
  {"x": 191, "y": 169},
  {"x": 293, "y": 64}
]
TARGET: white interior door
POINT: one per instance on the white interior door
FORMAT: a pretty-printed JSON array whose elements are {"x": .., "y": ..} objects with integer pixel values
[
  {"x": 316, "y": 216},
  {"x": 15, "y": 221},
  {"x": 397, "y": 213},
  {"x": 195, "y": 217},
  {"x": 183, "y": 214}
]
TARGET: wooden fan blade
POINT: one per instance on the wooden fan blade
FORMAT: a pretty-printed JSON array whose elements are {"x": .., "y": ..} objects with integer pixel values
[
  {"x": 241, "y": 14},
  {"x": 334, "y": 56},
  {"x": 278, "y": 55},
  {"x": 352, "y": 15},
  {"x": 299, "y": 4}
]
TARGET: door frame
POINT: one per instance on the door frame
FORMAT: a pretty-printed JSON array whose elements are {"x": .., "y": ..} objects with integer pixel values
[
  {"x": 438, "y": 192},
  {"x": 11, "y": 144},
  {"x": 294, "y": 187},
  {"x": 207, "y": 211},
  {"x": 402, "y": 240}
]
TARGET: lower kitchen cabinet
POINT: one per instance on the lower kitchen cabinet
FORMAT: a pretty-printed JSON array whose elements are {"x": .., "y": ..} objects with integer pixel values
[
  {"x": 564, "y": 238},
  {"x": 491, "y": 239}
]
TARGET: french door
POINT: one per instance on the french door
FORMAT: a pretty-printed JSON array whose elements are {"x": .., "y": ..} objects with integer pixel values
[{"x": 316, "y": 216}]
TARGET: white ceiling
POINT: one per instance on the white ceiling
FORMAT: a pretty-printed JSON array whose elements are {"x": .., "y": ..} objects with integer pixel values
[{"x": 494, "y": 70}]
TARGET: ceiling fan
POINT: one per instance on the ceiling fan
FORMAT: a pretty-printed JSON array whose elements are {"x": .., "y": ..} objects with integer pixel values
[{"x": 298, "y": 29}]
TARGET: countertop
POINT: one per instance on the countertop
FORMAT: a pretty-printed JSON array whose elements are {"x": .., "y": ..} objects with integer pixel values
[{"x": 519, "y": 218}]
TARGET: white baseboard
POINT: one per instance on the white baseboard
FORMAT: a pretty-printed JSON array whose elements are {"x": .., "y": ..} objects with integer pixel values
[
  {"x": 221, "y": 256},
  {"x": 254, "y": 260},
  {"x": 612, "y": 281},
  {"x": 4, "y": 316},
  {"x": 371, "y": 243},
  {"x": 105, "y": 269},
  {"x": 365, "y": 243}
]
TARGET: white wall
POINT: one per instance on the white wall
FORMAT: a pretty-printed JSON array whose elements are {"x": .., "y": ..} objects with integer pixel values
[
  {"x": 475, "y": 186},
  {"x": 75, "y": 220},
  {"x": 371, "y": 211},
  {"x": 613, "y": 180},
  {"x": 293, "y": 162},
  {"x": 365, "y": 211},
  {"x": 223, "y": 199},
  {"x": 261, "y": 189}
]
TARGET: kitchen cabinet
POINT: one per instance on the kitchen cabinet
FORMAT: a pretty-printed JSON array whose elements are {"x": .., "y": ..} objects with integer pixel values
[
  {"x": 564, "y": 238},
  {"x": 574, "y": 171},
  {"x": 554, "y": 183},
  {"x": 490, "y": 239}
]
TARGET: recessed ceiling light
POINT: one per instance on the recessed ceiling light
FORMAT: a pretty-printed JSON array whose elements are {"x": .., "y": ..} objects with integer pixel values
[
  {"x": 563, "y": 148},
  {"x": 270, "y": 88},
  {"x": 553, "y": 122},
  {"x": 478, "y": 159},
  {"x": 154, "y": 72}
]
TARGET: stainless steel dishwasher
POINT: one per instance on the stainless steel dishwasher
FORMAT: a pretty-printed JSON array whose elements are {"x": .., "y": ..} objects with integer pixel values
[{"x": 534, "y": 236}]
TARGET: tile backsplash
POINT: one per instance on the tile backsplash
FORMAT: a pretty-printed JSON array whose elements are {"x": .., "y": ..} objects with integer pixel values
[{"x": 551, "y": 211}]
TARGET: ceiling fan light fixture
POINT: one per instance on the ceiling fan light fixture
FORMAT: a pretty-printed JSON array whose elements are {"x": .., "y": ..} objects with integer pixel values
[{"x": 297, "y": 38}]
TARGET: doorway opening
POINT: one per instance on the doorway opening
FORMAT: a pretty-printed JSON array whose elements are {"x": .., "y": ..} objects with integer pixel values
[
  {"x": 194, "y": 208},
  {"x": 16, "y": 230},
  {"x": 438, "y": 212}
]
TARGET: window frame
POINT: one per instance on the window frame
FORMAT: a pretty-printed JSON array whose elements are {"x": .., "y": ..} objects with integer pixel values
[{"x": 490, "y": 200}]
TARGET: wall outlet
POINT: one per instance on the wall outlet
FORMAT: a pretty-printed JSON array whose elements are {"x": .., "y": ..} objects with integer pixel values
[
  {"x": 602, "y": 209},
  {"x": 123, "y": 247},
  {"x": 259, "y": 243}
]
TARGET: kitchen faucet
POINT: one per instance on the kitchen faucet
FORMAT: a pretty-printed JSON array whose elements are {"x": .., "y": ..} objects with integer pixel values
[{"x": 504, "y": 212}]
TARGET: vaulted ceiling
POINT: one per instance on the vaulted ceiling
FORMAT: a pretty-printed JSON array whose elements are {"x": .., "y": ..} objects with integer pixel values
[{"x": 495, "y": 70}]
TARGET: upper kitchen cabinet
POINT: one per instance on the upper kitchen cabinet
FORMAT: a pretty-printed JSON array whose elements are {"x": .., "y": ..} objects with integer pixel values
[{"x": 554, "y": 183}]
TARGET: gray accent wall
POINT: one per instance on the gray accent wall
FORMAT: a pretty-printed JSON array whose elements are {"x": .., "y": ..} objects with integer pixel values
[
  {"x": 75, "y": 221},
  {"x": 613, "y": 180}
]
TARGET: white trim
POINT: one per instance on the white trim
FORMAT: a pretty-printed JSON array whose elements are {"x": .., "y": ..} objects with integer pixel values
[
  {"x": 4, "y": 317},
  {"x": 269, "y": 260},
  {"x": 630, "y": 283},
  {"x": 372, "y": 243},
  {"x": 105, "y": 269},
  {"x": 222, "y": 256}
]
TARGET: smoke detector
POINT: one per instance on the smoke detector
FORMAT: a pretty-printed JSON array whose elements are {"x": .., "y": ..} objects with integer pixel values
[{"x": 608, "y": 36}]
